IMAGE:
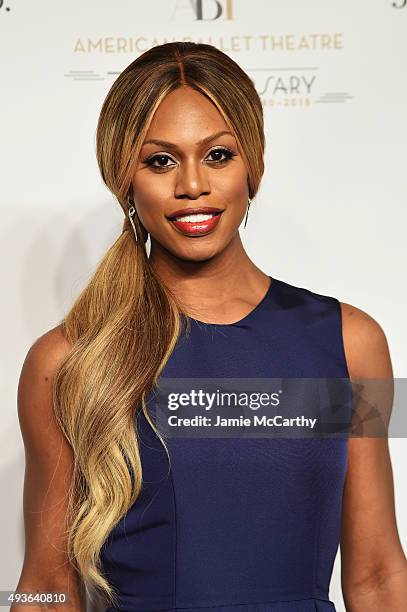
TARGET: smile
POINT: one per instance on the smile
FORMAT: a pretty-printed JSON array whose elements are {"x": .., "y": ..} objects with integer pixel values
[{"x": 196, "y": 224}]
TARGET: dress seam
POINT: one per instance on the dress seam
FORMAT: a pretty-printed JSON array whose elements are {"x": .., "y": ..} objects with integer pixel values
[
  {"x": 175, "y": 540},
  {"x": 316, "y": 550}
]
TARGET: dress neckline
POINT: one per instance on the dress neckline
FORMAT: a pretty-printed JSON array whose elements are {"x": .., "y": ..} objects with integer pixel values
[{"x": 247, "y": 317}]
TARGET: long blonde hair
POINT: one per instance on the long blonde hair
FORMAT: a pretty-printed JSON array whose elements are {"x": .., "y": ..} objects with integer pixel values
[{"x": 125, "y": 323}]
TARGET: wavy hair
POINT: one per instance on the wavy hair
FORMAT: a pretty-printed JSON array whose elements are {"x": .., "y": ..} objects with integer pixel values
[{"x": 125, "y": 323}]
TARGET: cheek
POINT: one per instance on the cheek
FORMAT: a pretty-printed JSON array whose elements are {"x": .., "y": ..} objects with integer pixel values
[
  {"x": 149, "y": 185},
  {"x": 234, "y": 185},
  {"x": 152, "y": 194}
]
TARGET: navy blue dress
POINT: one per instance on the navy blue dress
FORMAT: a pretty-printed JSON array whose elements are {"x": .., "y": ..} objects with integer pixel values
[{"x": 239, "y": 524}]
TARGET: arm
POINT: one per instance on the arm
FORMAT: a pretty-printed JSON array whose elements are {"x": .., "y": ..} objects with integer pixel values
[
  {"x": 374, "y": 567},
  {"x": 48, "y": 465}
]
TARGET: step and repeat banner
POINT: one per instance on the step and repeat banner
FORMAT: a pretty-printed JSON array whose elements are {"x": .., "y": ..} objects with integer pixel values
[{"x": 331, "y": 211}]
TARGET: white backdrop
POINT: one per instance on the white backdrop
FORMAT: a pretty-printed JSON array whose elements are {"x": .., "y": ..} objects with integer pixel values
[{"x": 331, "y": 212}]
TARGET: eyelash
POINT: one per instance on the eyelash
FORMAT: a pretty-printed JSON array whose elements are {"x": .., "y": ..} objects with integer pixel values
[{"x": 228, "y": 153}]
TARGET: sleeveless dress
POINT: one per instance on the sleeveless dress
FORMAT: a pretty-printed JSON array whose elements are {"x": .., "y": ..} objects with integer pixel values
[{"x": 239, "y": 524}]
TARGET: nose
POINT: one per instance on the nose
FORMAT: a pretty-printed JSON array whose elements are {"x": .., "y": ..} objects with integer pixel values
[{"x": 192, "y": 180}]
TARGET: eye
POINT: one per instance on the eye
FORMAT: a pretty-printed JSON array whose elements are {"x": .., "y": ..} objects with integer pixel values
[
  {"x": 161, "y": 159},
  {"x": 223, "y": 151}
]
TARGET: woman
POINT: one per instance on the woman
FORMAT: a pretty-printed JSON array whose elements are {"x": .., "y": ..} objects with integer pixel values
[{"x": 215, "y": 524}]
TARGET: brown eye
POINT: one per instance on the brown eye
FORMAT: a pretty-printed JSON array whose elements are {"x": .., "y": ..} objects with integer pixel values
[
  {"x": 159, "y": 158},
  {"x": 219, "y": 152}
]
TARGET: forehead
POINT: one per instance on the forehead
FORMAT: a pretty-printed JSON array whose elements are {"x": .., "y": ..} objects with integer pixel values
[{"x": 186, "y": 114}]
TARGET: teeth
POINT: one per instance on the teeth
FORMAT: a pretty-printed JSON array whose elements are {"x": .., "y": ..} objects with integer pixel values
[{"x": 194, "y": 218}]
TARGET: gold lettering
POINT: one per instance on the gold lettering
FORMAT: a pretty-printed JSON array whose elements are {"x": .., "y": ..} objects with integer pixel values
[
  {"x": 234, "y": 42},
  {"x": 79, "y": 46},
  {"x": 229, "y": 10}
]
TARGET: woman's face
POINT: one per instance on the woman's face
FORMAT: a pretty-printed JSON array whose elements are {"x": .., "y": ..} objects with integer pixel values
[{"x": 194, "y": 165}]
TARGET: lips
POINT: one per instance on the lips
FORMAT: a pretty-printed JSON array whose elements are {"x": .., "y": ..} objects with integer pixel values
[{"x": 196, "y": 227}]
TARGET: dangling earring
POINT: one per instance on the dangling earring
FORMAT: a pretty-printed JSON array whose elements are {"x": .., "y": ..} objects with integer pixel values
[
  {"x": 131, "y": 212},
  {"x": 247, "y": 213}
]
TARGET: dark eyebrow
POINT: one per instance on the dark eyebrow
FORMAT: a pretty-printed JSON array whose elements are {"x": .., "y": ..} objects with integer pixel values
[{"x": 165, "y": 143}]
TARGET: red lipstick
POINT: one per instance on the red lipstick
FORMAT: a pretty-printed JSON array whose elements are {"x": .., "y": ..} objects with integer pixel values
[{"x": 196, "y": 225}]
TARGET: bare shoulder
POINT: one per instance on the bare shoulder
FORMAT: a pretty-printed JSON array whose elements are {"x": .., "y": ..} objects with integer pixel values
[
  {"x": 34, "y": 392},
  {"x": 42, "y": 437},
  {"x": 49, "y": 348},
  {"x": 366, "y": 347}
]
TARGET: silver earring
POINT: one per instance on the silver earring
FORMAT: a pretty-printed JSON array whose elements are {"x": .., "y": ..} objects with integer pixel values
[
  {"x": 247, "y": 213},
  {"x": 131, "y": 213}
]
